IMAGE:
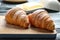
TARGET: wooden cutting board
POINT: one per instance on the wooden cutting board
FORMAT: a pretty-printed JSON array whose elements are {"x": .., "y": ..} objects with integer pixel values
[{"x": 12, "y": 29}]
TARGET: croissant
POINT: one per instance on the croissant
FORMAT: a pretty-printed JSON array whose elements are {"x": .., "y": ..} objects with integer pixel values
[
  {"x": 41, "y": 19},
  {"x": 17, "y": 16}
]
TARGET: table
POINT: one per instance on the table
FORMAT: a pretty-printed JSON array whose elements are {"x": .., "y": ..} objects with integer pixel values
[{"x": 55, "y": 16}]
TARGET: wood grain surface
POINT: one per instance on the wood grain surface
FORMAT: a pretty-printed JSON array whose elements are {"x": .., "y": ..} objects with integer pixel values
[{"x": 13, "y": 29}]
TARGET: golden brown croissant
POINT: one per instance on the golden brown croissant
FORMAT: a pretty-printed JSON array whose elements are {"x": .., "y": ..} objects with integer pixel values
[
  {"x": 17, "y": 16},
  {"x": 41, "y": 19}
]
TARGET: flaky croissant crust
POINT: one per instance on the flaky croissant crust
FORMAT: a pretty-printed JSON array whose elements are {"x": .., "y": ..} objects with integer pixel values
[
  {"x": 41, "y": 19},
  {"x": 17, "y": 16}
]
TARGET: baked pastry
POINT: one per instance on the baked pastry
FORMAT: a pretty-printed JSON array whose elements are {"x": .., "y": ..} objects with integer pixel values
[
  {"x": 17, "y": 16},
  {"x": 16, "y": 1},
  {"x": 41, "y": 19},
  {"x": 38, "y": 18},
  {"x": 29, "y": 6}
]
